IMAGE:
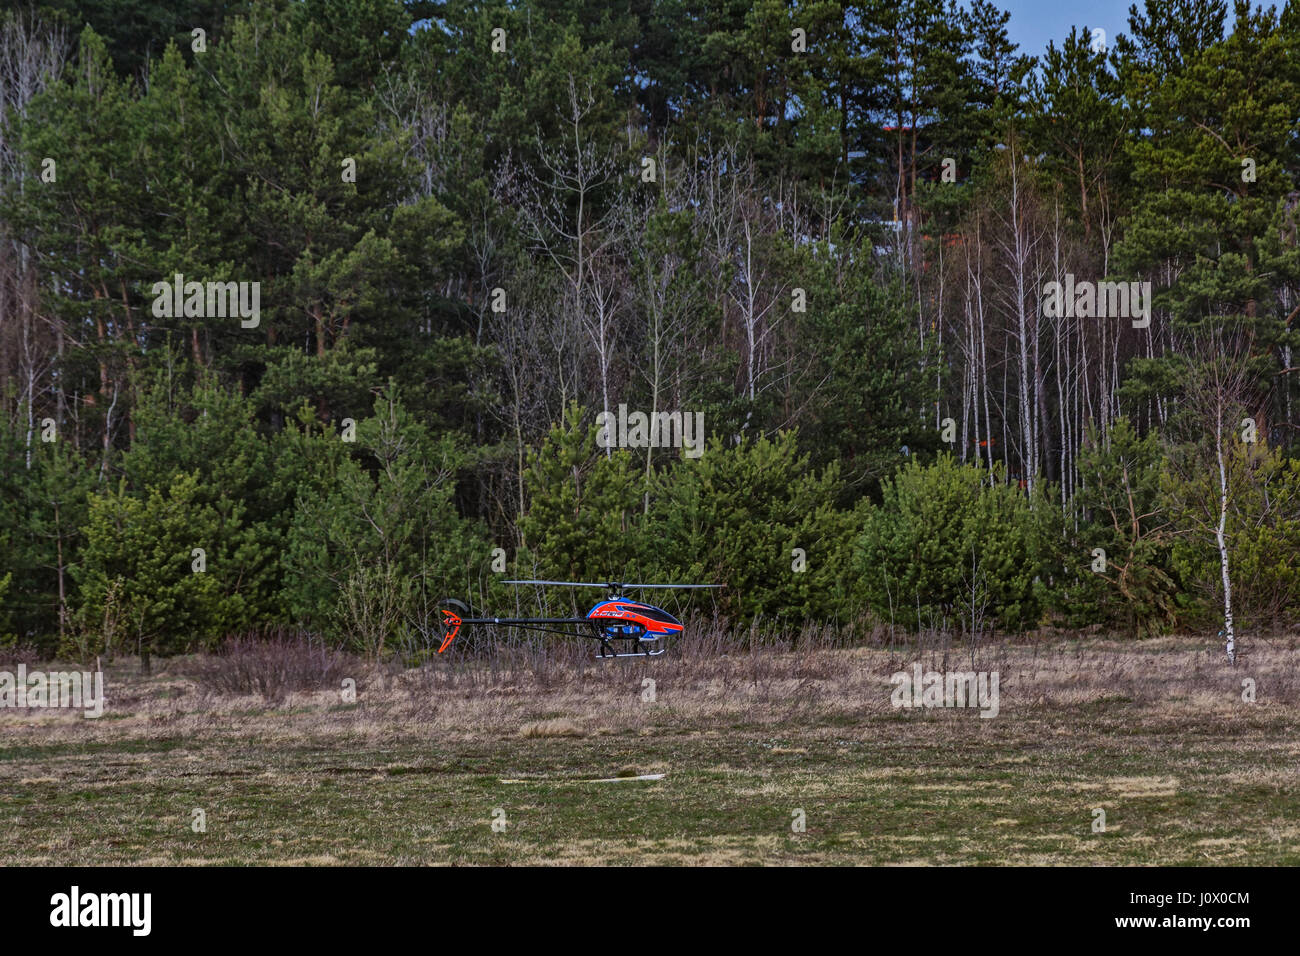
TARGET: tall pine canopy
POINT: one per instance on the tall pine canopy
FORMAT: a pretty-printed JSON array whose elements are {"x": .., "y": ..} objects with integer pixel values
[{"x": 310, "y": 311}]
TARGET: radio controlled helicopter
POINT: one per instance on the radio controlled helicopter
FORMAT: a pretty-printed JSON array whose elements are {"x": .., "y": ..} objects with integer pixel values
[{"x": 639, "y": 625}]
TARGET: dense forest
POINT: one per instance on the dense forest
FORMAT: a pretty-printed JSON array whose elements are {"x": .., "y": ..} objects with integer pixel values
[{"x": 311, "y": 312}]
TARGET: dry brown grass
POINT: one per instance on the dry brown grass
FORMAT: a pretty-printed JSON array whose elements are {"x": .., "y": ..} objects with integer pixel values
[
  {"x": 563, "y": 691},
  {"x": 559, "y": 727},
  {"x": 1155, "y": 733}
]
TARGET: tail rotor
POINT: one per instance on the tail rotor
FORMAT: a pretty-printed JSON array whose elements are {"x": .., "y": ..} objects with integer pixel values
[{"x": 453, "y": 613}]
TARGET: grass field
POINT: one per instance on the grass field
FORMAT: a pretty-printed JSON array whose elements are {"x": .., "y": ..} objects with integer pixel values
[{"x": 1155, "y": 733}]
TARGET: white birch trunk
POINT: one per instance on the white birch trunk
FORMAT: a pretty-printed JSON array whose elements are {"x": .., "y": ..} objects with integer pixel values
[{"x": 1229, "y": 638}]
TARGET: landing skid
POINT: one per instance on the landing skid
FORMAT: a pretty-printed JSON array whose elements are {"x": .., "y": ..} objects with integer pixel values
[
  {"x": 609, "y": 655},
  {"x": 639, "y": 649}
]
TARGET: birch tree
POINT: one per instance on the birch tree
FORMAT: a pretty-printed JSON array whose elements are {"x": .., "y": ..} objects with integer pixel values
[{"x": 1216, "y": 424}]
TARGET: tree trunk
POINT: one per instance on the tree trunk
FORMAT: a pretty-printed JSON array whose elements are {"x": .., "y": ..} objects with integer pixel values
[{"x": 1229, "y": 638}]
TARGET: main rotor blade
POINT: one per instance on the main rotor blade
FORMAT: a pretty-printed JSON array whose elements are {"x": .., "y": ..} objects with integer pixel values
[
  {"x": 672, "y": 585},
  {"x": 561, "y": 584},
  {"x": 606, "y": 585}
]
